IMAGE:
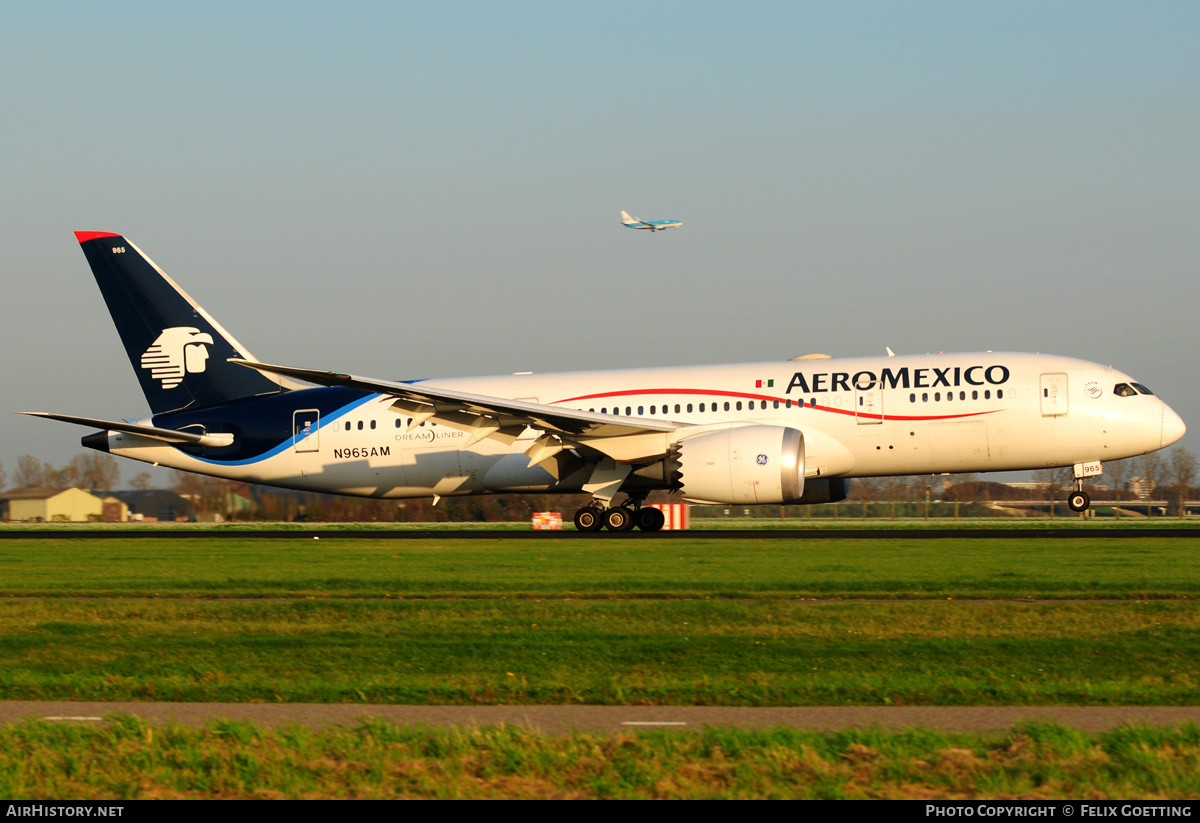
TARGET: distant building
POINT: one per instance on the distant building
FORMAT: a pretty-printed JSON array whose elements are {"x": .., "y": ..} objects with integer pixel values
[
  {"x": 155, "y": 504},
  {"x": 1143, "y": 487},
  {"x": 39, "y": 505}
]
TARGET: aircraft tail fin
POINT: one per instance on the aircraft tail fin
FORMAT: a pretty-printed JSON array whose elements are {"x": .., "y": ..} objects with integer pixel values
[
  {"x": 627, "y": 220},
  {"x": 177, "y": 349}
]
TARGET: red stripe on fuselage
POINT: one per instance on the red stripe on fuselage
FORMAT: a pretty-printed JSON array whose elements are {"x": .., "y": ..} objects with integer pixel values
[{"x": 750, "y": 396}]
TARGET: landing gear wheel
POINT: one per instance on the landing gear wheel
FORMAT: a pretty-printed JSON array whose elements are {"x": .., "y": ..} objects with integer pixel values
[
  {"x": 649, "y": 519},
  {"x": 618, "y": 519},
  {"x": 1079, "y": 501},
  {"x": 589, "y": 519}
]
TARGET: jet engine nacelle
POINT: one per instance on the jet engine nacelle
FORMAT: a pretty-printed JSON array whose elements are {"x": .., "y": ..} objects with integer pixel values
[
  {"x": 825, "y": 490},
  {"x": 749, "y": 464}
]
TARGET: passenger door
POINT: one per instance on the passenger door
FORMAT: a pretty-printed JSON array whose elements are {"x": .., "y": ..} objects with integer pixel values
[
  {"x": 1054, "y": 395},
  {"x": 868, "y": 406},
  {"x": 306, "y": 426}
]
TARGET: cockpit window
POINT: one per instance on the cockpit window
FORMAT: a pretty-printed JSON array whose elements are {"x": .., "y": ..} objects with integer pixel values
[
  {"x": 1142, "y": 389},
  {"x": 1124, "y": 390}
]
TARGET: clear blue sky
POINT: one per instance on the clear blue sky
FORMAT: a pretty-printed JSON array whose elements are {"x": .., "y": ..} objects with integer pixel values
[{"x": 415, "y": 189}]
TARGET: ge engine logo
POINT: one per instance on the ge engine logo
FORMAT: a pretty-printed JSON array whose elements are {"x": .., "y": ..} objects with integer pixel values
[{"x": 762, "y": 460}]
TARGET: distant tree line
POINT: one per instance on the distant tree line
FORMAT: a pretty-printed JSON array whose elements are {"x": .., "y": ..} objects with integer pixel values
[
  {"x": 95, "y": 471},
  {"x": 1169, "y": 476}
]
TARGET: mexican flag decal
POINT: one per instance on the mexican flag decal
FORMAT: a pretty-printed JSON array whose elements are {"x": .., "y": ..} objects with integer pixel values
[{"x": 758, "y": 384}]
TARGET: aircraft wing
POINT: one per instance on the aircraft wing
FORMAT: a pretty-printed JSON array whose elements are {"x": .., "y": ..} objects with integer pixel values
[{"x": 498, "y": 417}]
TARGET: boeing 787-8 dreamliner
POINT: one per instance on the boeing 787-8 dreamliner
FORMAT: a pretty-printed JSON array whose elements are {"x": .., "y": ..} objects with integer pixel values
[{"x": 778, "y": 432}]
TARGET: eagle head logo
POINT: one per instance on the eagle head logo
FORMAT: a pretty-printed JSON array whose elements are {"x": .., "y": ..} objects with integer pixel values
[{"x": 177, "y": 351}]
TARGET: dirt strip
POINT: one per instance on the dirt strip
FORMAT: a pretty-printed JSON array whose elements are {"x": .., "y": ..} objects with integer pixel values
[{"x": 559, "y": 719}]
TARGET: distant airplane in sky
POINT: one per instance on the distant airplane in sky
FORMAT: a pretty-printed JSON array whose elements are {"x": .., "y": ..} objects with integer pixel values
[{"x": 652, "y": 225}]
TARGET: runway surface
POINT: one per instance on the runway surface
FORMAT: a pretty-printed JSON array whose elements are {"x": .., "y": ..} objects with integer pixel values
[
  {"x": 510, "y": 534},
  {"x": 609, "y": 719}
]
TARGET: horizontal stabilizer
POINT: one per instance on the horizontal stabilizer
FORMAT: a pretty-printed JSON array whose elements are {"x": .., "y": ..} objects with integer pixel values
[{"x": 152, "y": 432}]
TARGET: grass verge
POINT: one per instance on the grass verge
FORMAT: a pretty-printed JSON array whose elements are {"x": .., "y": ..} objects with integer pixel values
[
  {"x": 128, "y": 759},
  {"x": 660, "y": 652},
  {"x": 241, "y": 567}
]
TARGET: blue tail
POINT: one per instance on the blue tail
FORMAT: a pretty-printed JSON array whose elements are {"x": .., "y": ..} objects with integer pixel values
[{"x": 177, "y": 350}]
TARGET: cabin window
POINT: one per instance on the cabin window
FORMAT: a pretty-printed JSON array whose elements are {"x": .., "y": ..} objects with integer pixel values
[
  {"x": 399, "y": 421},
  {"x": 924, "y": 397},
  {"x": 962, "y": 395},
  {"x": 937, "y": 395},
  {"x": 372, "y": 424},
  {"x": 689, "y": 408},
  {"x": 987, "y": 394},
  {"x": 949, "y": 395},
  {"x": 360, "y": 425},
  {"x": 640, "y": 412},
  {"x": 999, "y": 394},
  {"x": 739, "y": 405},
  {"x": 912, "y": 398},
  {"x": 347, "y": 425},
  {"x": 776, "y": 403},
  {"x": 974, "y": 395}
]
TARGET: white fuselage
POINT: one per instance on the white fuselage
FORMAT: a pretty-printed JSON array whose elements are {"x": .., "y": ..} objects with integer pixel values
[{"x": 860, "y": 417}]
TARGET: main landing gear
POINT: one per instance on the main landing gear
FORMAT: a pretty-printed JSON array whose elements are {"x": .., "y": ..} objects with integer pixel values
[{"x": 619, "y": 518}]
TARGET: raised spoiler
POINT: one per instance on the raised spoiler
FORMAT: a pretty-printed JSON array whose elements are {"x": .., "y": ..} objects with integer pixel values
[{"x": 487, "y": 415}]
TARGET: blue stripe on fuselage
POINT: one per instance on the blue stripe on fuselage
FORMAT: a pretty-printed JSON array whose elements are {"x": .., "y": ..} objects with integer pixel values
[{"x": 262, "y": 426}]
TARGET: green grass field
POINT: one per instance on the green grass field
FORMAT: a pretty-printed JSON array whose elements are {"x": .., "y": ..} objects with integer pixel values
[
  {"x": 731, "y": 622},
  {"x": 126, "y": 759},
  {"x": 239, "y": 566},
  {"x": 686, "y": 621}
]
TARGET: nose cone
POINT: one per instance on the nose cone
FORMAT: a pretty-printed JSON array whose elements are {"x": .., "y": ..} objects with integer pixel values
[{"x": 1172, "y": 426}]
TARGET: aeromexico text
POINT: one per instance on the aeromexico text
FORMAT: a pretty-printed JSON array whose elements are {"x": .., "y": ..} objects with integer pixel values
[{"x": 901, "y": 378}]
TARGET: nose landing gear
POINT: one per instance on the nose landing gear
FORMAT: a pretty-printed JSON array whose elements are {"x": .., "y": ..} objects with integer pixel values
[{"x": 1078, "y": 501}]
